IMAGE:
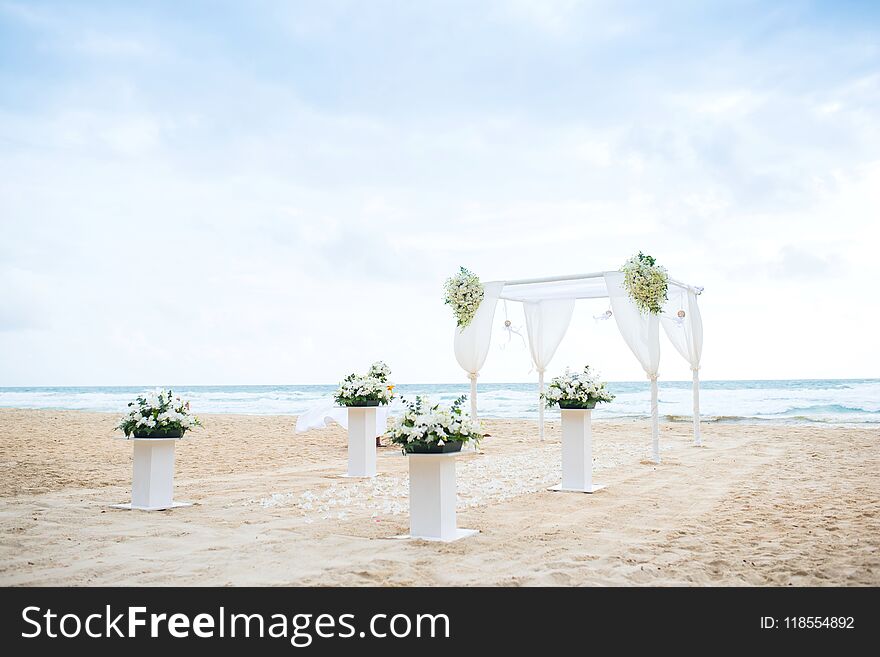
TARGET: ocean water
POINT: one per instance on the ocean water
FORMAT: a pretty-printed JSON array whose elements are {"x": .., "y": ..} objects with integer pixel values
[{"x": 839, "y": 401}]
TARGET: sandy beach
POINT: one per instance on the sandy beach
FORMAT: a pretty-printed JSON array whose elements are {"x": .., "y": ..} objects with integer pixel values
[{"x": 757, "y": 505}]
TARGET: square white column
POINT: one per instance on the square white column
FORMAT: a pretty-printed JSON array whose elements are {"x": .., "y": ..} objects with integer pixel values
[
  {"x": 577, "y": 452},
  {"x": 361, "y": 441},
  {"x": 432, "y": 498},
  {"x": 152, "y": 482}
]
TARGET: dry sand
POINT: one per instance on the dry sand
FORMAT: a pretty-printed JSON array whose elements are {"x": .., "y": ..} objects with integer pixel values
[{"x": 758, "y": 505}]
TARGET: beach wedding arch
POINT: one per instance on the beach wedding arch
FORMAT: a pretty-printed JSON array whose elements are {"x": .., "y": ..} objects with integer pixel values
[
  {"x": 646, "y": 282},
  {"x": 464, "y": 293},
  {"x": 642, "y": 297},
  {"x": 371, "y": 389},
  {"x": 577, "y": 390},
  {"x": 427, "y": 428},
  {"x": 158, "y": 414}
]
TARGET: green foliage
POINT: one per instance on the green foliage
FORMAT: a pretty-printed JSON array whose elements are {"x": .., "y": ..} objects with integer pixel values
[
  {"x": 156, "y": 414},
  {"x": 464, "y": 292},
  {"x": 583, "y": 389},
  {"x": 357, "y": 390},
  {"x": 424, "y": 425},
  {"x": 646, "y": 283}
]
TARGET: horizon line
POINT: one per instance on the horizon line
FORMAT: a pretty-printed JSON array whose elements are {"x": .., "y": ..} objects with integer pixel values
[{"x": 420, "y": 383}]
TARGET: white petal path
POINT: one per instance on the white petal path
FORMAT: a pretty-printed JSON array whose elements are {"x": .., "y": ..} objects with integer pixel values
[{"x": 481, "y": 480}]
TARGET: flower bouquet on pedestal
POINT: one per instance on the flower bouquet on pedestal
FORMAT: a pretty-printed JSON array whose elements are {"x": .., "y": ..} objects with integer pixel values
[
  {"x": 582, "y": 390},
  {"x": 158, "y": 414},
  {"x": 427, "y": 428},
  {"x": 371, "y": 389}
]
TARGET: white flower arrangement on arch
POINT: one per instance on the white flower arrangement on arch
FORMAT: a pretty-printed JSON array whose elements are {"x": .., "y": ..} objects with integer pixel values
[
  {"x": 646, "y": 283},
  {"x": 158, "y": 414},
  {"x": 577, "y": 390},
  {"x": 464, "y": 292},
  {"x": 371, "y": 389},
  {"x": 428, "y": 427}
]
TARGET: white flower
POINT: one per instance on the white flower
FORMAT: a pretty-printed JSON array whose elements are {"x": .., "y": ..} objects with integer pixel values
[
  {"x": 374, "y": 386},
  {"x": 464, "y": 292},
  {"x": 428, "y": 423},
  {"x": 646, "y": 282},
  {"x": 170, "y": 412},
  {"x": 580, "y": 387}
]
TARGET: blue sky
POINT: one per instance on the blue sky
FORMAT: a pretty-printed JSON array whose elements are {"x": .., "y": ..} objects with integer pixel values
[{"x": 273, "y": 192}]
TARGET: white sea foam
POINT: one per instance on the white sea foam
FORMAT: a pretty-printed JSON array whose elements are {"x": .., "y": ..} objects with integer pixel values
[{"x": 831, "y": 401}]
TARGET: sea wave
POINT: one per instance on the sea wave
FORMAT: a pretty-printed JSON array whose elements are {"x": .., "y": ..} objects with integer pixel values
[
  {"x": 852, "y": 402},
  {"x": 819, "y": 409},
  {"x": 788, "y": 419}
]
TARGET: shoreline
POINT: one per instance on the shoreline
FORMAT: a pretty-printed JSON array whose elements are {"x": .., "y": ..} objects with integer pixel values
[
  {"x": 664, "y": 418},
  {"x": 846, "y": 402},
  {"x": 756, "y": 505}
]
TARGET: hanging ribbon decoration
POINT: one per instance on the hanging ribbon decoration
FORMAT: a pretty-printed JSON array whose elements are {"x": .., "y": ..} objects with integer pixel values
[
  {"x": 678, "y": 319},
  {"x": 512, "y": 330}
]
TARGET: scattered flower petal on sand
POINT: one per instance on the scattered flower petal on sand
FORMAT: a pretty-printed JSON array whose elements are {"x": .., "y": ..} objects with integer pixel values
[{"x": 482, "y": 480}]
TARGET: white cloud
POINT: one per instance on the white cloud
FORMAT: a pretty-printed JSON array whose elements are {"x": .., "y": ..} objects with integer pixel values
[
  {"x": 103, "y": 45},
  {"x": 725, "y": 105},
  {"x": 796, "y": 262},
  {"x": 133, "y": 135},
  {"x": 270, "y": 211},
  {"x": 25, "y": 13},
  {"x": 553, "y": 16}
]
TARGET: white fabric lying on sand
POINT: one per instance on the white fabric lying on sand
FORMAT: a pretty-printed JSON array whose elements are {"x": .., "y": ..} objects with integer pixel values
[{"x": 320, "y": 416}]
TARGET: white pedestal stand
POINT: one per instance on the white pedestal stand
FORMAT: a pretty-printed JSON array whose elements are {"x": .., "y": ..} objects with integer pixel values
[
  {"x": 152, "y": 482},
  {"x": 577, "y": 452},
  {"x": 361, "y": 441},
  {"x": 432, "y": 498}
]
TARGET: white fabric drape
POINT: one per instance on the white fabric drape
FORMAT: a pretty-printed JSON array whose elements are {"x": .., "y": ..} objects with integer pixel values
[
  {"x": 686, "y": 335},
  {"x": 321, "y": 416},
  {"x": 546, "y": 324},
  {"x": 641, "y": 332},
  {"x": 472, "y": 342}
]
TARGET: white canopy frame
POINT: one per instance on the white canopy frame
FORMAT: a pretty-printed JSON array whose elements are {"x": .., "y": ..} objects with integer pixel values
[{"x": 548, "y": 303}]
